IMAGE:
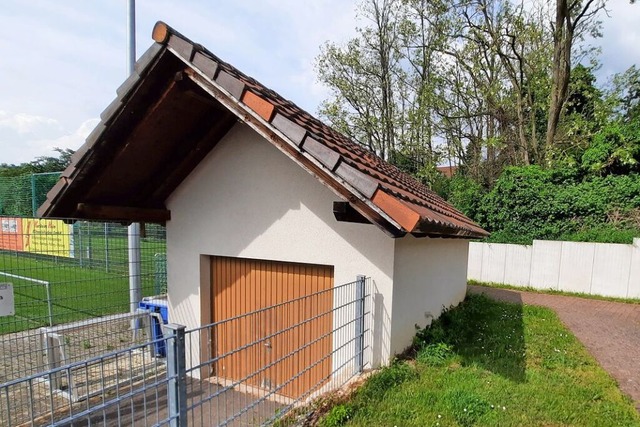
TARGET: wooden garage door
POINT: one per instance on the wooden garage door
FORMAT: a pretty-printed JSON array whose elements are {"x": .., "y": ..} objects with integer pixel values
[{"x": 285, "y": 341}]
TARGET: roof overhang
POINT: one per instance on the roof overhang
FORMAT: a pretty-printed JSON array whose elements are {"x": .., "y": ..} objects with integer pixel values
[{"x": 180, "y": 102}]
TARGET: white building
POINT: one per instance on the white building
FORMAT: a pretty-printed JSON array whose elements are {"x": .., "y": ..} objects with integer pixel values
[{"x": 257, "y": 194}]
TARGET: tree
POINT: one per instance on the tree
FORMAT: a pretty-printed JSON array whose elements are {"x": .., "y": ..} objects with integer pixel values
[
  {"x": 573, "y": 19},
  {"x": 40, "y": 164},
  {"x": 625, "y": 93},
  {"x": 363, "y": 76}
]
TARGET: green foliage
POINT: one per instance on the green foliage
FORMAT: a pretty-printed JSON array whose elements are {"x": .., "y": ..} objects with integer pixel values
[
  {"x": 615, "y": 149},
  {"x": 625, "y": 93},
  {"x": 436, "y": 354},
  {"x": 388, "y": 377},
  {"x": 466, "y": 194},
  {"x": 489, "y": 377},
  {"x": 20, "y": 194},
  {"x": 583, "y": 93},
  {"x": 529, "y": 203},
  {"x": 605, "y": 233},
  {"x": 41, "y": 164},
  {"x": 337, "y": 416},
  {"x": 25, "y": 186},
  {"x": 467, "y": 407}
]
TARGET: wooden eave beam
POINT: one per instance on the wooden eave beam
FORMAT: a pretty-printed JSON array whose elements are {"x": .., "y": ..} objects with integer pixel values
[
  {"x": 136, "y": 105},
  {"x": 189, "y": 154},
  {"x": 123, "y": 213},
  {"x": 344, "y": 212}
]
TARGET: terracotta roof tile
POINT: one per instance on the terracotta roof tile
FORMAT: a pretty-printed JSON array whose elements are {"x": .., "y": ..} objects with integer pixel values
[
  {"x": 374, "y": 185},
  {"x": 355, "y": 162}
]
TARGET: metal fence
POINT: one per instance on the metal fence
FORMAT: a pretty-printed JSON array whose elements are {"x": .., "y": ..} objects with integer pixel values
[
  {"x": 22, "y": 194},
  {"x": 70, "y": 285},
  {"x": 211, "y": 375}
]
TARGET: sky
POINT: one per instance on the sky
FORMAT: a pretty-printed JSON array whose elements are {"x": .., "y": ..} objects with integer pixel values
[{"x": 61, "y": 61}]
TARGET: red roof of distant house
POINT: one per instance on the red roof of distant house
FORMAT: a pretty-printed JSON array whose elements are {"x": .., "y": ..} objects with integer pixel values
[
  {"x": 135, "y": 159},
  {"x": 447, "y": 171}
]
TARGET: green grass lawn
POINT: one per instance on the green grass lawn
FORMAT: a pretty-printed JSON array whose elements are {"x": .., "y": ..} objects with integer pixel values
[
  {"x": 490, "y": 363},
  {"x": 76, "y": 292}
]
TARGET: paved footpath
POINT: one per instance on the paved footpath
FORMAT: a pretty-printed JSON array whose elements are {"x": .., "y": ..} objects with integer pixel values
[{"x": 609, "y": 330}]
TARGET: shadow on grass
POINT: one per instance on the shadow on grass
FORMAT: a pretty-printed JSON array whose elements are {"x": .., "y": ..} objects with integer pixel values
[{"x": 481, "y": 332}]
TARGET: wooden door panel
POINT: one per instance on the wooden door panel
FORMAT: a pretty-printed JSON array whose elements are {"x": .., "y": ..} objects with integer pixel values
[{"x": 299, "y": 331}]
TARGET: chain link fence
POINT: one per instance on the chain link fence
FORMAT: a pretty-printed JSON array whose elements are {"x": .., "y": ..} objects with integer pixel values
[
  {"x": 22, "y": 195},
  {"x": 190, "y": 386},
  {"x": 66, "y": 279}
]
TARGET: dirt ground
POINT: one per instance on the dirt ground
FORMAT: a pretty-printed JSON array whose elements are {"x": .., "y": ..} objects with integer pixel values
[
  {"x": 129, "y": 388},
  {"x": 23, "y": 355}
]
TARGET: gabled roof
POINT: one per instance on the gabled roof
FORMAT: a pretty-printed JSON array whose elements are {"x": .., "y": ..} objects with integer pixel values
[{"x": 180, "y": 102}]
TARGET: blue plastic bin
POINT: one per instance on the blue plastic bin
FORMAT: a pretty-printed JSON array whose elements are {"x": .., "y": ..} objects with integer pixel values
[{"x": 157, "y": 305}]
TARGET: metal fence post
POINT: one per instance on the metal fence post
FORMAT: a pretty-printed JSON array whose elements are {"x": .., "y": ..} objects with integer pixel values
[
  {"x": 49, "y": 302},
  {"x": 177, "y": 376},
  {"x": 106, "y": 247},
  {"x": 34, "y": 204},
  {"x": 359, "y": 338}
]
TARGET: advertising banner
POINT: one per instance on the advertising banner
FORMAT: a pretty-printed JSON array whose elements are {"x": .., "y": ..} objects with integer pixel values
[
  {"x": 11, "y": 234},
  {"x": 41, "y": 236},
  {"x": 46, "y": 236}
]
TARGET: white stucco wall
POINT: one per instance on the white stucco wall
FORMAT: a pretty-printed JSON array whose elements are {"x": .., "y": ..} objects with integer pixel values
[
  {"x": 429, "y": 275},
  {"x": 247, "y": 199}
]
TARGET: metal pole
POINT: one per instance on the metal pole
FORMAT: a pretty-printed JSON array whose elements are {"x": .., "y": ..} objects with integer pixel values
[
  {"x": 49, "y": 303},
  {"x": 360, "y": 281},
  {"x": 34, "y": 206},
  {"x": 176, "y": 375},
  {"x": 135, "y": 290},
  {"x": 131, "y": 35},
  {"x": 80, "y": 248},
  {"x": 106, "y": 247}
]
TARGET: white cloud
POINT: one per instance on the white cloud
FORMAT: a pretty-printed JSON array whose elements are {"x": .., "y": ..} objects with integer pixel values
[
  {"x": 621, "y": 38},
  {"x": 71, "y": 140},
  {"x": 22, "y": 148},
  {"x": 274, "y": 41},
  {"x": 68, "y": 57},
  {"x": 27, "y": 124}
]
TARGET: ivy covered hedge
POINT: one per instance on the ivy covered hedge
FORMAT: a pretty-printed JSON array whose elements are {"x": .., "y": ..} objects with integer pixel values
[{"x": 529, "y": 203}]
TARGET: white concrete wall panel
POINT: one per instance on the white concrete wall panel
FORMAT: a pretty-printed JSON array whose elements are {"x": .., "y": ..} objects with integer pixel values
[
  {"x": 517, "y": 266},
  {"x": 545, "y": 264},
  {"x": 596, "y": 268},
  {"x": 247, "y": 199},
  {"x": 429, "y": 275},
  {"x": 611, "y": 267},
  {"x": 474, "y": 270},
  {"x": 633, "y": 288},
  {"x": 493, "y": 257},
  {"x": 576, "y": 266}
]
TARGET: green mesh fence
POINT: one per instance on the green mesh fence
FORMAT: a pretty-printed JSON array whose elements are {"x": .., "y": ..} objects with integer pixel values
[
  {"x": 160, "y": 273},
  {"x": 22, "y": 195},
  {"x": 74, "y": 277}
]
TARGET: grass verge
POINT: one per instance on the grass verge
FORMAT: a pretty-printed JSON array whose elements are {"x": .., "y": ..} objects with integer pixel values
[
  {"x": 490, "y": 363},
  {"x": 76, "y": 292},
  {"x": 553, "y": 292}
]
